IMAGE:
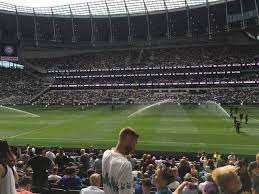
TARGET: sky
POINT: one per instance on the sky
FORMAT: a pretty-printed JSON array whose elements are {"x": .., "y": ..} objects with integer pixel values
[{"x": 43, "y": 3}]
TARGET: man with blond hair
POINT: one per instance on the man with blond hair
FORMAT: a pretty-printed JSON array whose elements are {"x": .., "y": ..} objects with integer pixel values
[
  {"x": 116, "y": 169},
  {"x": 227, "y": 179},
  {"x": 95, "y": 182}
]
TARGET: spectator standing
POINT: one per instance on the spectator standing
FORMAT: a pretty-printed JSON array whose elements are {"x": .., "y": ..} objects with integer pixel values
[
  {"x": 40, "y": 165},
  {"x": 8, "y": 175},
  {"x": 98, "y": 164},
  {"x": 85, "y": 159},
  {"x": 116, "y": 169}
]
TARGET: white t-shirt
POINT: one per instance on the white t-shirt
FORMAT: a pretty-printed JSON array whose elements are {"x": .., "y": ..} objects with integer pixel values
[
  {"x": 54, "y": 177},
  {"x": 7, "y": 184},
  {"x": 91, "y": 190},
  {"x": 117, "y": 173}
]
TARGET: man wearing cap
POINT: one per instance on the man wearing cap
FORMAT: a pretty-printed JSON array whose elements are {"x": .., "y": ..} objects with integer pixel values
[{"x": 116, "y": 169}]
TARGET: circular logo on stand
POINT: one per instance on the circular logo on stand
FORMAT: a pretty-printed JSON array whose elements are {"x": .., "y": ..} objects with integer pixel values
[{"x": 8, "y": 50}]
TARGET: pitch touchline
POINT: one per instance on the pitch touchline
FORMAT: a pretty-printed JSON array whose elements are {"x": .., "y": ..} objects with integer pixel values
[
  {"x": 25, "y": 133},
  {"x": 142, "y": 142}
]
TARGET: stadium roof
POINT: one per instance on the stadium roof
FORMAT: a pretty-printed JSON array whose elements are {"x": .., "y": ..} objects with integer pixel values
[{"x": 105, "y": 7}]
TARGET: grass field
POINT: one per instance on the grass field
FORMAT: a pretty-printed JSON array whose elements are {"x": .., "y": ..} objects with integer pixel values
[{"x": 167, "y": 127}]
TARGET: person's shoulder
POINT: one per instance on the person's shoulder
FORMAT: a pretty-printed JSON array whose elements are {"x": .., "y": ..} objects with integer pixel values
[
  {"x": 84, "y": 190},
  {"x": 2, "y": 170},
  {"x": 108, "y": 153}
]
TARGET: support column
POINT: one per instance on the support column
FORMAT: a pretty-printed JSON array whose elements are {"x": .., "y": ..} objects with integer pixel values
[
  {"x": 209, "y": 25},
  {"x": 257, "y": 13},
  {"x": 188, "y": 20},
  {"x": 53, "y": 26},
  {"x": 74, "y": 39},
  {"x": 167, "y": 22},
  {"x": 227, "y": 22},
  {"x": 18, "y": 33},
  {"x": 35, "y": 28},
  {"x": 110, "y": 22},
  {"x": 130, "y": 37},
  {"x": 149, "y": 38},
  {"x": 92, "y": 26},
  {"x": 243, "y": 26}
]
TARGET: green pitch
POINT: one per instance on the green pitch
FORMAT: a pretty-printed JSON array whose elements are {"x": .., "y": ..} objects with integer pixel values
[{"x": 167, "y": 127}]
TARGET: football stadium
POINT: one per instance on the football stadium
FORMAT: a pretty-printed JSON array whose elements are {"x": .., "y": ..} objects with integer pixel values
[{"x": 172, "y": 85}]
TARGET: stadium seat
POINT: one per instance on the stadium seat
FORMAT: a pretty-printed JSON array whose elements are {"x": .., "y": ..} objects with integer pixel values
[
  {"x": 73, "y": 191},
  {"x": 57, "y": 191},
  {"x": 42, "y": 190}
]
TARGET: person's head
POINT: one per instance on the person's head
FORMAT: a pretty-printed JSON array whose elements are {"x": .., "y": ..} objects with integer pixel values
[
  {"x": 183, "y": 162},
  {"x": 20, "y": 164},
  {"x": 211, "y": 164},
  {"x": 151, "y": 167},
  {"x": 175, "y": 171},
  {"x": 29, "y": 172},
  {"x": 127, "y": 141},
  {"x": 90, "y": 171},
  {"x": 227, "y": 179},
  {"x": 100, "y": 156},
  {"x": 163, "y": 177},
  {"x": 95, "y": 180},
  {"x": 4, "y": 150},
  {"x": 193, "y": 182},
  {"x": 6, "y": 155},
  {"x": 146, "y": 186},
  {"x": 144, "y": 156},
  {"x": 70, "y": 171},
  {"x": 257, "y": 159},
  {"x": 25, "y": 183},
  {"x": 82, "y": 151}
]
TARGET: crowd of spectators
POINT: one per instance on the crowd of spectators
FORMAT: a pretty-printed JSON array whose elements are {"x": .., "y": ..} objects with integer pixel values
[
  {"x": 151, "y": 57},
  {"x": 157, "y": 79},
  {"x": 18, "y": 87},
  {"x": 43, "y": 169},
  {"x": 227, "y": 96}
]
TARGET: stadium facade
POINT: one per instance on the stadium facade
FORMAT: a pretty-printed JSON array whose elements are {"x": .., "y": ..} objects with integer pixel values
[{"x": 123, "y": 24}]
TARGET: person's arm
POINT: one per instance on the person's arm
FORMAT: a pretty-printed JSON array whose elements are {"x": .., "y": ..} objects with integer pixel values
[
  {"x": 2, "y": 173},
  {"x": 16, "y": 177},
  {"x": 179, "y": 189}
]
